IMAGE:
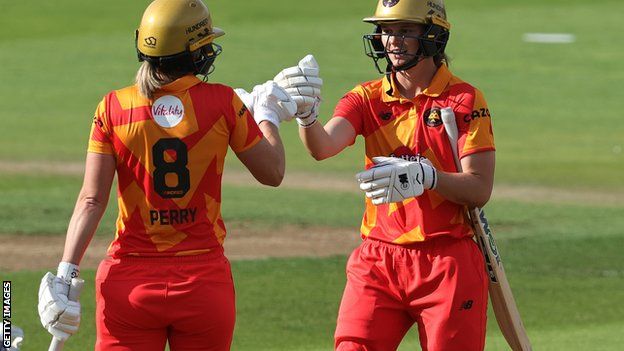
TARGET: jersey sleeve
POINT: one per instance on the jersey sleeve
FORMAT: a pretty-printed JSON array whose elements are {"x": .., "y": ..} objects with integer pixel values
[
  {"x": 475, "y": 127},
  {"x": 244, "y": 132},
  {"x": 350, "y": 107},
  {"x": 100, "y": 140}
]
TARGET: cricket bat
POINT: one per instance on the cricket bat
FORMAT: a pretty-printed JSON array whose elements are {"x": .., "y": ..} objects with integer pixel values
[
  {"x": 503, "y": 302},
  {"x": 74, "y": 292}
]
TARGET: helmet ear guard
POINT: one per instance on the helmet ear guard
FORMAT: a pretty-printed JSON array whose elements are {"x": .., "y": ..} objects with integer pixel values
[
  {"x": 206, "y": 56},
  {"x": 433, "y": 41}
]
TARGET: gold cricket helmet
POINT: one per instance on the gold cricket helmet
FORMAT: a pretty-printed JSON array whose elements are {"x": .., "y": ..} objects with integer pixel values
[
  {"x": 414, "y": 11},
  {"x": 170, "y": 27},
  {"x": 431, "y": 14}
]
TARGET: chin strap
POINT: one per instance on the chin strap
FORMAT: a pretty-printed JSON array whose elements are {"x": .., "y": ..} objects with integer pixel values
[{"x": 413, "y": 62}]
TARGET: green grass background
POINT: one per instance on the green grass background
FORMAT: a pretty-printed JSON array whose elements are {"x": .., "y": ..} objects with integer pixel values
[{"x": 556, "y": 114}]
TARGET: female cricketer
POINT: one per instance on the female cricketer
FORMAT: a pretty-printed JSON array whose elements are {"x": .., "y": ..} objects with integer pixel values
[
  {"x": 417, "y": 263},
  {"x": 165, "y": 278}
]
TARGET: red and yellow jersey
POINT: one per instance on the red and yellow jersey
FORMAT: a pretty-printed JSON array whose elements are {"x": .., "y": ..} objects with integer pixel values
[
  {"x": 394, "y": 126},
  {"x": 170, "y": 153}
]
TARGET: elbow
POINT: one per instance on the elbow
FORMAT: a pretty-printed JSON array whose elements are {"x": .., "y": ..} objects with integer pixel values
[
  {"x": 92, "y": 203},
  {"x": 274, "y": 179},
  {"x": 274, "y": 182},
  {"x": 479, "y": 200},
  {"x": 317, "y": 155},
  {"x": 476, "y": 204}
]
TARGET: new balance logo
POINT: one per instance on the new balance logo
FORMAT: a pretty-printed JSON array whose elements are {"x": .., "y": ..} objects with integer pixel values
[
  {"x": 404, "y": 181},
  {"x": 466, "y": 305}
]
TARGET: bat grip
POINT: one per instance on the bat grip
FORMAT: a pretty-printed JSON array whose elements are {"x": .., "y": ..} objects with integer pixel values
[
  {"x": 75, "y": 289},
  {"x": 56, "y": 344},
  {"x": 450, "y": 126}
]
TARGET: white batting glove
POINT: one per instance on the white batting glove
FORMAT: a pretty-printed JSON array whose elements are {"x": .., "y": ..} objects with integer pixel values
[
  {"x": 273, "y": 104},
  {"x": 17, "y": 337},
  {"x": 247, "y": 98},
  {"x": 268, "y": 102},
  {"x": 394, "y": 179},
  {"x": 303, "y": 83},
  {"x": 59, "y": 316}
]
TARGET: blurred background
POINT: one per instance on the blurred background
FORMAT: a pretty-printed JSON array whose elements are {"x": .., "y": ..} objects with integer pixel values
[{"x": 558, "y": 205}]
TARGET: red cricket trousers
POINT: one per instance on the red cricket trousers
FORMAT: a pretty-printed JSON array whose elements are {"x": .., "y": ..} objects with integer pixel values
[
  {"x": 440, "y": 284},
  {"x": 142, "y": 302}
]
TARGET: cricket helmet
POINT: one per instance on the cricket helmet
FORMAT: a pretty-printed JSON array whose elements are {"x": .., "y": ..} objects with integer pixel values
[
  {"x": 178, "y": 32},
  {"x": 429, "y": 13}
]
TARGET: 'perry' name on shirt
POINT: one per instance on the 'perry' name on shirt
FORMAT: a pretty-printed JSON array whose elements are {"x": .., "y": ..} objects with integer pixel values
[{"x": 171, "y": 217}]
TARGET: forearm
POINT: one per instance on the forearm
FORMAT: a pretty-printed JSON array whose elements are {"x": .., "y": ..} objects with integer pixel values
[
  {"x": 326, "y": 141},
  {"x": 275, "y": 161},
  {"x": 317, "y": 141},
  {"x": 467, "y": 189},
  {"x": 82, "y": 226}
]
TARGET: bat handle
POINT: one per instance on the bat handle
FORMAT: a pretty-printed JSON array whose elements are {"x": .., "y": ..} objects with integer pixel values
[
  {"x": 450, "y": 126},
  {"x": 75, "y": 289},
  {"x": 56, "y": 344}
]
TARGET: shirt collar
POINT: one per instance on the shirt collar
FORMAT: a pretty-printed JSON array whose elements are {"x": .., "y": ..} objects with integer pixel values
[
  {"x": 439, "y": 82},
  {"x": 180, "y": 84},
  {"x": 390, "y": 92}
]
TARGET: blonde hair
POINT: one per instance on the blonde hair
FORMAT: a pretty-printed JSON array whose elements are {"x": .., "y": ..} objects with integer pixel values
[{"x": 148, "y": 80}]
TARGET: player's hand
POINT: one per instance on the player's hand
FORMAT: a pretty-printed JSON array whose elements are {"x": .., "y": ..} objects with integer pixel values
[
  {"x": 272, "y": 103},
  {"x": 17, "y": 337},
  {"x": 303, "y": 83},
  {"x": 58, "y": 315},
  {"x": 394, "y": 179},
  {"x": 268, "y": 102},
  {"x": 247, "y": 98}
]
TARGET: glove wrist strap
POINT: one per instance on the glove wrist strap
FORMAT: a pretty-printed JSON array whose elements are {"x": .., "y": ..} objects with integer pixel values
[
  {"x": 306, "y": 122},
  {"x": 67, "y": 271},
  {"x": 264, "y": 114},
  {"x": 434, "y": 181}
]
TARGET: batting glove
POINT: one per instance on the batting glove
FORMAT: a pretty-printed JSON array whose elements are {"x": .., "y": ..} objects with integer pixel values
[
  {"x": 303, "y": 83},
  {"x": 394, "y": 179},
  {"x": 17, "y": 337},
  {"x": 59, "y": 316},
  {"x": 268, "y": 102}
]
